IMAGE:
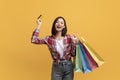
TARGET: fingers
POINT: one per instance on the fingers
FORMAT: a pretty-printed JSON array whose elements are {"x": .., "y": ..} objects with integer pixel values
[
  {"x": 74, "y": 37},
  {"x": 38, "y": 21}
]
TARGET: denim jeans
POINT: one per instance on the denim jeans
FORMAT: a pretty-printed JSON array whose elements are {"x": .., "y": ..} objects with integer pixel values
[{"x": 62, "y": 71}]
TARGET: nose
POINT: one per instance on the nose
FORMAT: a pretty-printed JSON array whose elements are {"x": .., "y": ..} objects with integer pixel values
[{"x": 58, "y": 24}]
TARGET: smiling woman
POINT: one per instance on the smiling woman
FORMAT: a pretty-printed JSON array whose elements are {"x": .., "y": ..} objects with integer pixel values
[
  {"x": 62, "y": 48},
  {"x": 59, "y": 25}
]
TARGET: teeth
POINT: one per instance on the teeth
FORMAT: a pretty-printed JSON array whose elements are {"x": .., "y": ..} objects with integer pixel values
[{"x": 58, "y": 27}]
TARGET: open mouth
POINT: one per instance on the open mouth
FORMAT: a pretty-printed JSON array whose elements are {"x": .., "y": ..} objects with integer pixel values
[{"x": 58, "y": 27}]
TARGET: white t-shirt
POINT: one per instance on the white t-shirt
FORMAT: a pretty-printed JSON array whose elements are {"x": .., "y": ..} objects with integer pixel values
[{"x": 60, "y": 47}]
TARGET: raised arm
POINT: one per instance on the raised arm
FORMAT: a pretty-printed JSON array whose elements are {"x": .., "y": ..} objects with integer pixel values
[{"x": 35, "y": 36}]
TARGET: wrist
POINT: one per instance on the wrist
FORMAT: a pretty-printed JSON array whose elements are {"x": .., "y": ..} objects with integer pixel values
[
  {"x": 38, "y": 27},
  {"x": 74, "y": 42}
]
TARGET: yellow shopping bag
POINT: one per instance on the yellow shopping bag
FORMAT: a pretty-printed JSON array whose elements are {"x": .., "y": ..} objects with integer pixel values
[{"x": 92, "y": 52}]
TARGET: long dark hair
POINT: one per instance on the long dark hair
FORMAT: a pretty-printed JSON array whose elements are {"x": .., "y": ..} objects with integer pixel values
[{"x": 64, "y": 31}]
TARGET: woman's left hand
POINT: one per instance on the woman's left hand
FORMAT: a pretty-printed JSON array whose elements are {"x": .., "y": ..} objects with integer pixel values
[{"x": 74, "y": 38}]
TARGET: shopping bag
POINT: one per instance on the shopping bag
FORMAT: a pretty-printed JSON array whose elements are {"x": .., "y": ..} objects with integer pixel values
[
  {"x": 92, "y": 52},
  {"x": 77, "y": 60},
  {"x": 91, "y": 61},
  {"x": 80, "y": 61},
  {"x": 85, "y": 64}
]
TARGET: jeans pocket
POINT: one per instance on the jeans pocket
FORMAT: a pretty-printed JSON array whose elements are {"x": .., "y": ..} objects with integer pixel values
[{"x": 70, "y": 65}]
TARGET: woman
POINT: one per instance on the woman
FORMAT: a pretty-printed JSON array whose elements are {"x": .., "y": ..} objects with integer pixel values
[{"x": 61, "y": 46}]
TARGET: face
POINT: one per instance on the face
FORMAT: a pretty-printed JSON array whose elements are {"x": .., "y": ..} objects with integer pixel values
[{"x": 59, "y": 25}]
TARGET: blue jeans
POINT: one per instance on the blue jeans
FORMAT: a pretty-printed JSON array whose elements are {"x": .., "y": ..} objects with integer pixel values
[{"x": 62, "y": 71}]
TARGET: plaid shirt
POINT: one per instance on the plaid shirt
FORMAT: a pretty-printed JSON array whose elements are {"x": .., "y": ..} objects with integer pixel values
[{"x": 69, "y": 46}]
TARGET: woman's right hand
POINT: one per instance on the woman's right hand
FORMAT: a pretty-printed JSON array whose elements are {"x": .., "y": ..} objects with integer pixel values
[{"x": 39, "y": 23}]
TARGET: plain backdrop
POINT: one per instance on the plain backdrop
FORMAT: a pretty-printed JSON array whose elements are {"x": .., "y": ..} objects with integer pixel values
[{"x": 98, "y": 21}]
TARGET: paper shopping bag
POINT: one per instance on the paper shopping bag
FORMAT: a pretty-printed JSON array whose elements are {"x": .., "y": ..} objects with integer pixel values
[
  {"x": 77, "y": 60},
  {"x": 91, "y": 61},
  {"x": 85, "y": 64},
  {"x": 93, "y": 53}
]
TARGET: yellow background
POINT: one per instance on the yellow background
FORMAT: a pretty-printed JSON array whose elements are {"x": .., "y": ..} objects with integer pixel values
[{"x": 98, "y": 21}]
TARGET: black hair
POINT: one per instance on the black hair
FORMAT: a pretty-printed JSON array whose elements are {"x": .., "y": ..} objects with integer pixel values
[{"x": 64, "y": 31}]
